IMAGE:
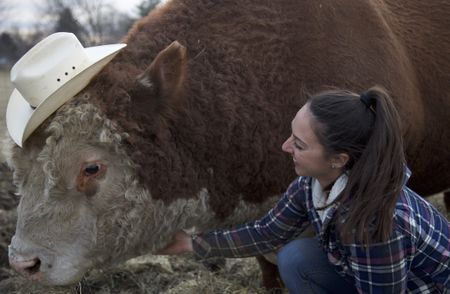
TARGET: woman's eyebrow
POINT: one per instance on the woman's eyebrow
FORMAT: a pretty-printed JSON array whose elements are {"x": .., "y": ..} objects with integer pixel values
[
  {"x": 298, "y": 139},
  {"x": 295, "y": 137}
]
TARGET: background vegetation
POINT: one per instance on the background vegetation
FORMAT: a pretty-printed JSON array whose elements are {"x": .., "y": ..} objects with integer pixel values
[{"x": 92, "y": 21}]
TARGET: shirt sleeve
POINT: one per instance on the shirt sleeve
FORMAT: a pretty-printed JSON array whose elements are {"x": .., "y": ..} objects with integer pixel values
[
  {"x": 282, "y": 223},
  {"x": 382, "y": 267}
]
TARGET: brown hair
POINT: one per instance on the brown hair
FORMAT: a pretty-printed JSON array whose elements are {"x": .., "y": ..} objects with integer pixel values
[{"x": 367, "y": 128}]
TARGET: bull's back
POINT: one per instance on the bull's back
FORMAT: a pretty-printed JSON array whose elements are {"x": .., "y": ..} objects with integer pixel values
[{"x": 250, "y": 63}]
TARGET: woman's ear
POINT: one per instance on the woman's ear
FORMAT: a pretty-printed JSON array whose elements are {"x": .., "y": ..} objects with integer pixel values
[{"x": 339, "y": 160}]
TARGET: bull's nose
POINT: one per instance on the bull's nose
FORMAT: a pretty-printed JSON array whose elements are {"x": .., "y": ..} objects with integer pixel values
[{"x": 27, "y": 267}]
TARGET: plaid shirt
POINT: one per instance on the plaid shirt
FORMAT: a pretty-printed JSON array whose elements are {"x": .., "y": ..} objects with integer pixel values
[{"x": 414, "y": 260}]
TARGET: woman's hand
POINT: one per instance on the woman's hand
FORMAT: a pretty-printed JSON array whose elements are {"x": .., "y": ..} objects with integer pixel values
[{"x": 181, "y": 243}]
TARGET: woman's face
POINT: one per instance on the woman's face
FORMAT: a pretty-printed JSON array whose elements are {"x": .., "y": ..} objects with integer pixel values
[{"x": 307, "y": 153}]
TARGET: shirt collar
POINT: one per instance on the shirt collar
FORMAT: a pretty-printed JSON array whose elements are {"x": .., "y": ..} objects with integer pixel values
[{"x": 320, "y": 198}]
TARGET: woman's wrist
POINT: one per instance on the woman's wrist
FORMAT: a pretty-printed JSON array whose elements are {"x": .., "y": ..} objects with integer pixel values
[
  {"x": 181, "y": 243},
  {"x": 189, "y": 246}
]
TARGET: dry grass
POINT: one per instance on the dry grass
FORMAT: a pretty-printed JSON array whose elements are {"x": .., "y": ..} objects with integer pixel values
[{"x": 155, "y": 275}]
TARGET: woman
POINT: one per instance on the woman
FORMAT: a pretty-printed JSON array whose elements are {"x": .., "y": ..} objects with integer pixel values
[{"x": 373, "y": 234}]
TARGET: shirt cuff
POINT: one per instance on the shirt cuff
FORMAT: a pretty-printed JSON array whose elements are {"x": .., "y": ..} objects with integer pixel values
[{"x": 201, "y": 248}]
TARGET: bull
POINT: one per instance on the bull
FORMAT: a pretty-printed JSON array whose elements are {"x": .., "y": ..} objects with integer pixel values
[{"x": 183, "y": 128}]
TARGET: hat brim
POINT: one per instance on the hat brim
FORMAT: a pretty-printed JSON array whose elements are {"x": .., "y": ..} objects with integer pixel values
[{"x": 22, "y": 119}]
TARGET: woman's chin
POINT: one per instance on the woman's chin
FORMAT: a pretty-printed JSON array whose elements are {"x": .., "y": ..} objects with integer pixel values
[{"x": 298, "y": 171}]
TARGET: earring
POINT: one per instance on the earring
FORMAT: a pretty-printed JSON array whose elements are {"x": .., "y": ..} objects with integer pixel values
[{"x": 333, "y": 165}]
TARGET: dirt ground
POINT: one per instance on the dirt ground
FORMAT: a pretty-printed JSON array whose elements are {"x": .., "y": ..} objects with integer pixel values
[{"x": 147, "y": 274}]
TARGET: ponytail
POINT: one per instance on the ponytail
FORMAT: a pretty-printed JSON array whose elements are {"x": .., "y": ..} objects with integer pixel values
[{"x": 367, "y": 128}]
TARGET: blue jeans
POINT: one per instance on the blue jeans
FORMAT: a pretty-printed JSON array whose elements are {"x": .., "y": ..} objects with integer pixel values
[{"x": 304, "y": 268}]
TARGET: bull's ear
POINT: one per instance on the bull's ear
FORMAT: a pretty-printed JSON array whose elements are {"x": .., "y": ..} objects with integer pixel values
[
  {"x": 155, "y": 94},
  {"x": 164, "y": 78},
  {"x": 168, "y": 69}
]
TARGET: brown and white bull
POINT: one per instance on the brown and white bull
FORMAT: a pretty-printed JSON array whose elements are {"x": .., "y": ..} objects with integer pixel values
[{"x": 183, "y": 129}]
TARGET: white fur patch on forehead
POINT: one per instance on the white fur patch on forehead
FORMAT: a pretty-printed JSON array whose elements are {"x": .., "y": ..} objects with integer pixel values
[{"x": 82, "y": 120}]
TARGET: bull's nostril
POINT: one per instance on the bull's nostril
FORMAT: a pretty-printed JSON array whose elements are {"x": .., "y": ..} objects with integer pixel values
[{"x": 34, "y": 268}]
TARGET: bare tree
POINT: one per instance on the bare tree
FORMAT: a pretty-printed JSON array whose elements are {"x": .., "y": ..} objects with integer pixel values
[
  {"x": 97, "y": 14},
  {"x": 98, "y": 20},
  {"x": 146, "y": 6},
  {"x": 67, "y": 23}
]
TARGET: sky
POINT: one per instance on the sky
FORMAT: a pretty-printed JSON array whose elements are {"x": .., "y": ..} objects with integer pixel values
[{"x": 23, "y": 13}]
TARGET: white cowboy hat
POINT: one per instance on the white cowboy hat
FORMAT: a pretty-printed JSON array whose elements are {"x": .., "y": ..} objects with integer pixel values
[{"x": 47, "y": 76}]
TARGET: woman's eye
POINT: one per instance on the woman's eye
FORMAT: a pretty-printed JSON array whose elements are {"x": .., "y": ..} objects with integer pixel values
[
  {"x": 91, "y": 169},
  {"x": 298, "y": 146}
]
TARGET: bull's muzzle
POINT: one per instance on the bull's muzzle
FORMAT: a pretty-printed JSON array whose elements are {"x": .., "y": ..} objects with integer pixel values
[{"x": 26, "y": 266}]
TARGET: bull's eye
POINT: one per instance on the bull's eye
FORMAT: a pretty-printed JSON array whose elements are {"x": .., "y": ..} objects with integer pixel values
[{"x": 92, "y": 169}]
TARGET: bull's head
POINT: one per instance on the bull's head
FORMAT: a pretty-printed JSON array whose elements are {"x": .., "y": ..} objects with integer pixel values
[{"x": 82, "y": 204}]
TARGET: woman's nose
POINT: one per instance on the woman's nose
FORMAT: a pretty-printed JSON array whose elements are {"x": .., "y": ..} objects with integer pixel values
[{"x": 286, "y": 147}]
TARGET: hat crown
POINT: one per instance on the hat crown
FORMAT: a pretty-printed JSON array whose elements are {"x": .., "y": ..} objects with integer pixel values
[
  {"x": 47, "y": 76},
  {"x": 48, "y": 66}
]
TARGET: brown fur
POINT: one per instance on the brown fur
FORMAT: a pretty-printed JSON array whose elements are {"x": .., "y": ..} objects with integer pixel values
[{"x": 248, "y": 63}]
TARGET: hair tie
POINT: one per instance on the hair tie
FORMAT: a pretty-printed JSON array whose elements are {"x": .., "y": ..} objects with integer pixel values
[{"x": 368, "y": 101}]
